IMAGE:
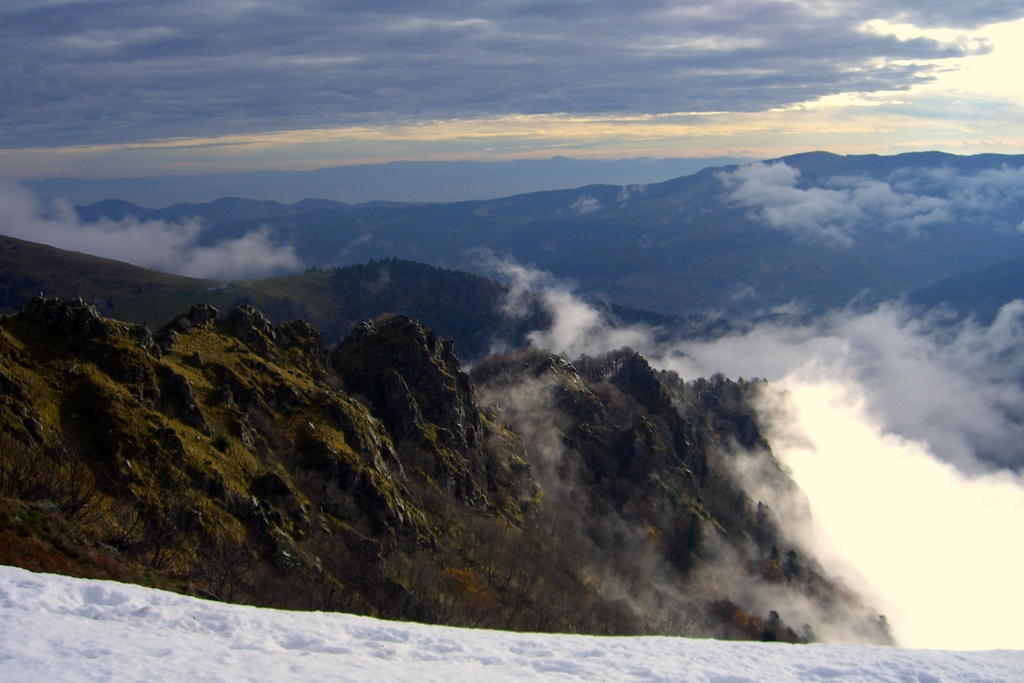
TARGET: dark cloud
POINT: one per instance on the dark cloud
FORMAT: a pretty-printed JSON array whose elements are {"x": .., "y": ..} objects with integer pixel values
[{"x": 103, "y": 71}]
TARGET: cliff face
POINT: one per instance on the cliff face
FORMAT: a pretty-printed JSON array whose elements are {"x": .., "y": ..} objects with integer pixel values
[{"x": 243, "y": 461}]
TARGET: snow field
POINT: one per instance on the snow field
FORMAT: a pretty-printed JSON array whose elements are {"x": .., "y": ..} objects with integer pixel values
[{"x": 56, "y": 628}]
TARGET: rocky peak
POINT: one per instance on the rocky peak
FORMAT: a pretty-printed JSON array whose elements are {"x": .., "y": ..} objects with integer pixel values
[
  {"x": 309, "y": 347},
  {"x": 77, "y": 317},
  {"x": 254, "y": 330},
  {"x": 198, "y": 316},
  {"x": 633, "y": 375},
  {"x": 399, "y": 357},
  {"x": 298, "y": 342},
  {"x": 415, "y": 385}
]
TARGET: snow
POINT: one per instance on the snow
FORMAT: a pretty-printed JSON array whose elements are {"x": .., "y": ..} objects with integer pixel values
[{"x": 56, "y": 628}]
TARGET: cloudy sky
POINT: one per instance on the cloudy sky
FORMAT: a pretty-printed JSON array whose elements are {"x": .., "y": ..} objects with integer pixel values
[{"x": 123, "y": 87}]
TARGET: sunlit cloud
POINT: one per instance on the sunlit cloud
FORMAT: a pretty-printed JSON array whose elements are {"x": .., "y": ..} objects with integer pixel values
[
  {"x": 902, "y": 431},
  {"x": 931, "y": 545}
]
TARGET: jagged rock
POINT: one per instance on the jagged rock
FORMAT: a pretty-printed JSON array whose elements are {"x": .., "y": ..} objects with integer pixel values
[
  {"x": 169, "y": 438},
  {"x": 165, "y": 339},
  {"x": 312, "y": 350},
  {"x": 362, "y": 432},
  {"x": 77, "y": 317},
  {"x": 271, "y": 486},
  {"x": 285, "y": 397},
  {"x": 416, "y": 387},
  {"x": 633, "y": 375},
  {"x": 201, "y": 315},
  {"x": 570, "y": 394},
  {"x": 191, "y": 413},
  {"x": 144, "y": 338},
  {"x": 214, "y": 486},
  {"x": 235, "y": 392},
  {"x": 198, "y": 316},
  {"x": 254, "y": 330},
  {"x": 428, "y": 367},
  {"x": 387, "y": 473},
  {"x": 401, "y": 412},
  {"x": 34, "y": 427},
  {"x": 151, "y": 391},
  {"x": 11, "y": 388},
  {"x": 196, "y": 361}
]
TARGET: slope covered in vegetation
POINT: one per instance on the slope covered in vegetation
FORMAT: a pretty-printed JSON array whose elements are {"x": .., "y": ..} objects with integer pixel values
[{"x": 244, "y": 461}]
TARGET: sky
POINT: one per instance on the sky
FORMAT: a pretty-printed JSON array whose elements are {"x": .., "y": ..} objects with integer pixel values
[{"x": 120, "y": 88}]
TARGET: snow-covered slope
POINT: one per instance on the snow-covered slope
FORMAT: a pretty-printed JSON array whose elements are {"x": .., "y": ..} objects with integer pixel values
[{"x": 55, "y": 628}]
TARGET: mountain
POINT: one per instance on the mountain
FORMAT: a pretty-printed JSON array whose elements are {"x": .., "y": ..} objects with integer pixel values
[
  {"x": 463, "y": 307},
  {"x": 980, "y": 293},
  {"x": 244, "y": 461},
  {"x": 399, "y": 181},
  {"x": 812, "y": 231},
  {"x": 27, "y": 268}
]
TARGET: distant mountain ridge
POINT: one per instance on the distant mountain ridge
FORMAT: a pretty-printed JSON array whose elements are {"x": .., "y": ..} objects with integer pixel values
[
  {"x": 461, "y": 306},
  {"x": 404, "y": 181},
  {"x": 718, "y": 241}
]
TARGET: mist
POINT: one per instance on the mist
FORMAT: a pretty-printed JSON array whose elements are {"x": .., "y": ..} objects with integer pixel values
[
  {"x": 903, "y": 429},
  {"x": 160, "y": 245},
  {"x": 909, "y": 201}
]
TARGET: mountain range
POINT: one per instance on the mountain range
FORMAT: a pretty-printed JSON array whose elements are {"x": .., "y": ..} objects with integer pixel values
[
  {"x": 316, "y": 440},
  {"x": 807, "y": 232}
]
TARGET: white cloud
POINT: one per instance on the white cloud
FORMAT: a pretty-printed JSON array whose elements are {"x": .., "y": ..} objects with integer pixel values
[
  {"x": 934, "y": 548},
  {"x": 833, "y": 214},
  {"x": 586, "y": 204},
  {"x": 577, "y": 327},
  {"x": 906, "y": 433},
  {"x": 988, "y": 193},
  {"x": 169, "y": 247}
]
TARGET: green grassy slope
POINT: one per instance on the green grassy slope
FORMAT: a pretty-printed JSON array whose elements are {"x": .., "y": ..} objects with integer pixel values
[{"x": 27, "y": 268}]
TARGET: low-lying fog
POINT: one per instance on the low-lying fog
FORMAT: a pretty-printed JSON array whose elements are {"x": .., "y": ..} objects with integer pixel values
[{"x": 904, "y": 430}]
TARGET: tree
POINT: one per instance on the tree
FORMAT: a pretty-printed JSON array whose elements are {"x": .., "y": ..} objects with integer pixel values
[{"x": 791, "y": 567}]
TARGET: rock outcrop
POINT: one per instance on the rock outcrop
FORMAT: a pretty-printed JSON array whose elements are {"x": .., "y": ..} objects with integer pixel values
[
  {"x": 414, "y": 384},
  {"x": 240, "y": 460}
]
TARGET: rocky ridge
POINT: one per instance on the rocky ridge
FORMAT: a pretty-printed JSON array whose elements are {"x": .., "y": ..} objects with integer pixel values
[{"x": 244, "y": 461}]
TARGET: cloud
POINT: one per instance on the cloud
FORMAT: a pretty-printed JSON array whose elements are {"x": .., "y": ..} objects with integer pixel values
[
  {"x": 944, "y": 13},
  {"x": 957, "y": 387},
  {"x": 903, "y": 431},
  {"x": 169, "y": 247},
  {"x": 985, "y": 196},
  {"x": 934, "y": 548},
  {"x": 831, "y": 214},
  {"x": 577, "y": 328},
  {"x": 98, "y": 72},
  {"x": 908, "y": 200},
  {"x": 586, "y": 204}
]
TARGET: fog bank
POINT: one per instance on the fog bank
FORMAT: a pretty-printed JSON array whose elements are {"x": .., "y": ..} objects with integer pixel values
[{"x": 905, "y": 431}]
